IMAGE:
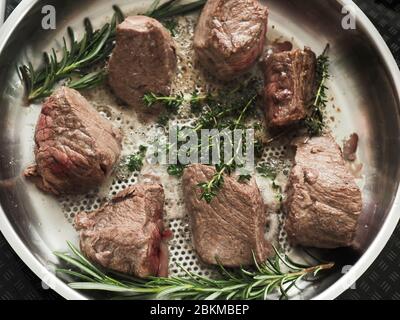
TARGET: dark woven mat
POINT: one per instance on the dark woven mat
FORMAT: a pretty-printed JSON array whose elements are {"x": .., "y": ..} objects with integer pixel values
[{"x": 381, "y": 281}]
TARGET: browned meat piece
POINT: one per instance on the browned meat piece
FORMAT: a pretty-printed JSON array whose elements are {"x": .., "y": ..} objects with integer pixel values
[
  {"x": 230, "y": 36},
  {"x": 350, "y": 147},
  {"x": 143, "y": 61},
  {"x": 230, "y": 228},
  {"x": 324, "y": 202},
  {"x": 76, "y": 148},
  {"x": 126, "y": 235},
  {"x": 289, "y": 86}
]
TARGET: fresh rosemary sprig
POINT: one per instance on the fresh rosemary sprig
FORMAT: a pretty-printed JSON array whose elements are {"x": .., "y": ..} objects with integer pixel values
[
  {"x": 279, "y": 275},
  {"x": 315, "y": 122},
  {"x": 77, "y": 57},
  {"x": 171, "y": 8}
]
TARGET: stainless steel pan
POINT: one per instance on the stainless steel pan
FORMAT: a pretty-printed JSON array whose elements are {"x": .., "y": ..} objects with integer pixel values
[{"x": 366, "y": 86}]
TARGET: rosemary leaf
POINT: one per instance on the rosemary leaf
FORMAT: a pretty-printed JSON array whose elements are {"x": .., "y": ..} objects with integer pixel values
[
  {"x": 88, "y": 81},
  {"x": 171, "y": 8}
]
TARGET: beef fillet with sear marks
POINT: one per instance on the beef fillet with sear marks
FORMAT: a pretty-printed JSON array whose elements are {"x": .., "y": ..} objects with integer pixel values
[
  {"x": 76, "y": 148},
  {"x": 127, "y": 235},
  {"x": 289, "y": 86},
  {"x": 230, "y": 36},
  {"x": 143, "y": 61},
  {"x": 232, "y": 226},
  {"x": 323, "y": 203}
]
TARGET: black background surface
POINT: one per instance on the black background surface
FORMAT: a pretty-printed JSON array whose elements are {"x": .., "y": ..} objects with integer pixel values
[{"x": 381, "y": 281}]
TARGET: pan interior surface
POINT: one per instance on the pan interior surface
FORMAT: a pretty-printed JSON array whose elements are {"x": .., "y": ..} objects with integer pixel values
[{"x": 365, "y": 101}]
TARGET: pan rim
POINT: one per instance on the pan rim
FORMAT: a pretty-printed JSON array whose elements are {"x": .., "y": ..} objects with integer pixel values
[{"x": 336, "y": 288}]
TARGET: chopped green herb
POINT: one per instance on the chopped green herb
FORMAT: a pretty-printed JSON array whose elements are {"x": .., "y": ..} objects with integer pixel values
[
  {"x": 163, "y": 119},
  {"x": 243, "y": 178},
  {"x": 258, "y": 148},
  {"x": 176, "y": 170},
  {"x": 267, "y": 171},
  {"x": 271, "y": 172},
  {"x": 135, "y": 161},
  {"x": 278, "y": 190}
]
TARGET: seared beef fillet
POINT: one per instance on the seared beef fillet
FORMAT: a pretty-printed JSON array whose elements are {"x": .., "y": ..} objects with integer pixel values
[
  {"x": 230, "y": 36},
  {"x": 126, "y": 235},
  {"x": 289, "y": 86},
  {"x": 229, "y": 229},
  {"x": 76, "y": 148},
  {"x": 143, "y": 61},
  {"x": 324, "y": 202}
]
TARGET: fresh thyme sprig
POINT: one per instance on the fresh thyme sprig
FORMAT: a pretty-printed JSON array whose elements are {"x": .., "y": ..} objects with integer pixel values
[
  {"x": 77, "y": 57},
  {"x": 225, "y": 110},
  {"x": 315, "y": 122},
  {"x": 279, "y": 275},
  {"x": 210, "y": 189},
  {"x": 171, "y": 102}
]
